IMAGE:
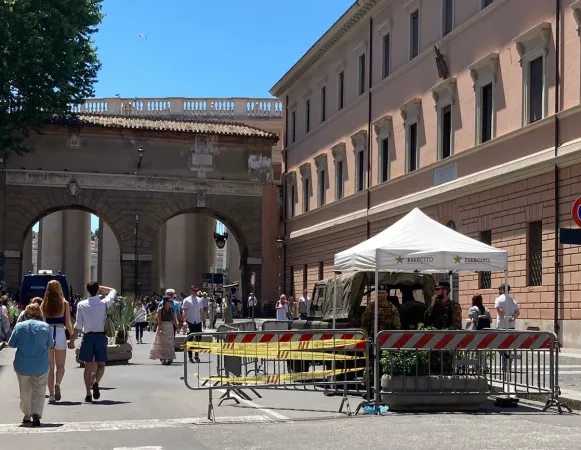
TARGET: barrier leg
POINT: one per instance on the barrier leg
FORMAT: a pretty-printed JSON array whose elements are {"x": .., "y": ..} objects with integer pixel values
[
  {"x": 345, "y": 400},
  {"x": 211, "y": 415},
  {"x": 227, "y": 396}
]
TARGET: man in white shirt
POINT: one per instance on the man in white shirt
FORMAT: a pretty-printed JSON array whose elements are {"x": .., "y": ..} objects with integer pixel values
[
  {"x": 506, "y": 310},
  {"x": 194, "y": 317},
  {"x": 91, "y": 317},
  {"x": 304, "y": 305},
  {"x": 282, "y": 308}
]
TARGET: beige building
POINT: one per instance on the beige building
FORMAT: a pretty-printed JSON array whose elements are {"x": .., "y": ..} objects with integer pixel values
[{"x": 452, "y": 106}]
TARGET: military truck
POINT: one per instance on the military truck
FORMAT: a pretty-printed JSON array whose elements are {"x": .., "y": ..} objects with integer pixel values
[{"x": 354, "y": 290}]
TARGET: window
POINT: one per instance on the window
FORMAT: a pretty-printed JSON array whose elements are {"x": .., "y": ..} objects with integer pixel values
[
  {"x": 386, "y": 63},
  {"x": 341, "y": 99},
  {"x": 412, "y": 140},
  {"x": 485, "y": 3},
  {"x": 306, "y": 182},
  {"x": 323, "y": 104},
  {"x": 447, "y": 16},
  {"x": 535, "y": 254},
  {"x": 533, "y": 48},
  {"x": 446, "y": 137},
  {"x": 361, "y": 87},
  {"x": 321, "y": 266},
  {"x": 486, "y": 117},
  {"x": 414, "y": 34},
  {"x": 360, "y": 170},
  {"x": 291, "y": 199},
  {"x": 384, "y": 160},
  {"x": 321, "y": 187},
  {"x": 536, "y": 90},
  {"x": 307, "y": 116},
  {"x": 484, "y": 73},
  {"x": 339, "y": 179},
  {"x": 485, "y": 278},
  {"x": 293, "y": 126}
]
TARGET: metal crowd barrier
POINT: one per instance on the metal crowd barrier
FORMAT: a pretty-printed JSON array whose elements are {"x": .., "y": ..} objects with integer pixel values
[
  {"x": 269, "y": 325},
  {"x": 466, "y": 363},
  {"x": 321, "y": 360}
]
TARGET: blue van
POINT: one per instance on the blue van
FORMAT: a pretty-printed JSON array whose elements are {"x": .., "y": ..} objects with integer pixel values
[{"x": 35, "y": 285}]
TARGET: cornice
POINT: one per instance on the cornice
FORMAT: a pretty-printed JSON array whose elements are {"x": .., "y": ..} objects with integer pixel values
[{"x": 346, "y": 22}]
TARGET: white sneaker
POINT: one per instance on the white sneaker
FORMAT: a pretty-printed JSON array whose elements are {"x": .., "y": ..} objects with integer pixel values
[{"x": 51, "y": 399}]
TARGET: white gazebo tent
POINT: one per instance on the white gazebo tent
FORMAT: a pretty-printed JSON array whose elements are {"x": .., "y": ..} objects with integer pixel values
[{"x": 417, "y": 243}]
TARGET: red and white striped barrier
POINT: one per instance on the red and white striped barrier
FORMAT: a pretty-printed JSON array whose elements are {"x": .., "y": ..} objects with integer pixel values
[
  {"x": 465, "y": 340},
  {"x": 358, "y": 340}
]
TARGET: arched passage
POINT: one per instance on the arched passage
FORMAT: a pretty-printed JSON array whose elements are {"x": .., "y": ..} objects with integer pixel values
[
  {"x": 75, "y": 241},
  {"x": 185, "y": 249}
]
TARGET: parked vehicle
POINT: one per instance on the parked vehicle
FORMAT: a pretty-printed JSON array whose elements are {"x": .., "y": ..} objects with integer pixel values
[{"x": 34, "y": 285}]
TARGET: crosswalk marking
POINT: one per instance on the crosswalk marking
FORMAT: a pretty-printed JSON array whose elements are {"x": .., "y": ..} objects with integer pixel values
[{"x": 79, "y": 427}]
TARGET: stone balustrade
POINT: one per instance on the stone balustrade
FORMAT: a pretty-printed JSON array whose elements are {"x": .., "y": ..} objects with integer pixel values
[{"x": 179, "y": 107}]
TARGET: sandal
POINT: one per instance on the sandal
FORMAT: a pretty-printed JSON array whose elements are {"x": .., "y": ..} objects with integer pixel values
[{"x": 26, "y": 420}]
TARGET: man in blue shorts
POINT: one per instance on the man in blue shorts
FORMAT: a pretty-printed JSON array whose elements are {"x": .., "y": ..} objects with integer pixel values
[{"x": 91, "y": 317}]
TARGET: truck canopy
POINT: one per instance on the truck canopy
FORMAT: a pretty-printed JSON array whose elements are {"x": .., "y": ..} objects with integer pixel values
[
  {"x": 35, "y": 285},
  {"x": 353, "y": 286}
]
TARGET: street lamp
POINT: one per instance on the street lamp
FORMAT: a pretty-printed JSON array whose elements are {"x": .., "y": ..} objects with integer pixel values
[
  {"x": 140, "y": 153},
  {"x": 220, "y": 239}
]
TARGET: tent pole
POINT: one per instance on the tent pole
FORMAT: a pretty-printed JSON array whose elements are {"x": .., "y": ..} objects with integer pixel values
[
  {"x": 451, "y": 281},
  {"x": 377, "y": 378},
  {"x": 506, "y": 290},
  {"x": 335, "y": 303}
]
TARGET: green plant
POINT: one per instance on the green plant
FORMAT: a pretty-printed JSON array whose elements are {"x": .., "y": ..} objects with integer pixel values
[
  {"x": 122, "y": 313},
  {"x": 13, "y": 312}
]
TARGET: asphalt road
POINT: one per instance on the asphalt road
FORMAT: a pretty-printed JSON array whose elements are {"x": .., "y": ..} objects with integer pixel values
[{"x": 146, "y": 405}]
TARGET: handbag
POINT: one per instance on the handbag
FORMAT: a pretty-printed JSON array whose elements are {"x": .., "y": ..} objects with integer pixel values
[{"x": 109, "y": 325}]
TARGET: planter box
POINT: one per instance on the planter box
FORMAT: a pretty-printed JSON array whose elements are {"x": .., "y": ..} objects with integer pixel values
[
  {"x": 434, "y": 393},
  {"x": 181, "y": 338},
  {"x": 115, "y": 354}
]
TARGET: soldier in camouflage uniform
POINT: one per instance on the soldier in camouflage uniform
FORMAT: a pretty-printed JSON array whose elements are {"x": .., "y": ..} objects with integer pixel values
[
  {"x": 388, "y": 315},
  {"x": 443, "y": 313}
]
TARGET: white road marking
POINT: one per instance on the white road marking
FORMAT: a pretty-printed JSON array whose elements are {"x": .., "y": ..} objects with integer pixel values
[
  {"x": 78, "y": 427},
  {"x": 570, "y": 355},
  {"x": 138, "y": 448},
  {"x": 270, "y": 412}
]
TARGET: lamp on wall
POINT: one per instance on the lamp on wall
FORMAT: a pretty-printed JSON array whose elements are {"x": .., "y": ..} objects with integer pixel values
[
  {"x": 220, "y": 239},
  {"x": 279, "y": 243},
  {"x": 140, "y": 153}
]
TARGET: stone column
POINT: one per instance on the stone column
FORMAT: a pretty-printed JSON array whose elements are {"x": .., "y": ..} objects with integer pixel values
[
  {"x": 211, "y": 243},
  {"x": 175, "y": 253},
  {"x": 233, "y": 259},
  {"x": 77, "y": 249},
  {"x": 51, "y": 243},
  {"x": 27, "y": 254},
  {"x": 110, "y": 257}
]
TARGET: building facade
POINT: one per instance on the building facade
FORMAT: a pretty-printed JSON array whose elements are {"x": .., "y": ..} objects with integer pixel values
[{"x": 467, "y": 109}]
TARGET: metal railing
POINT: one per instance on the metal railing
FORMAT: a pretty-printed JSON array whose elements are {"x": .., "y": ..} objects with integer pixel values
[
  {"x": 300, "y": 360},
  {"x": 464, "y": 363}
]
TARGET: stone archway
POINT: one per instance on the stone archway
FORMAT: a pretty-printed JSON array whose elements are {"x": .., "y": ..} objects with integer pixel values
[{"x": 26, "y": 203}]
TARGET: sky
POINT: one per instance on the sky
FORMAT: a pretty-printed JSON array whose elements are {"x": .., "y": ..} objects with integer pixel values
[{"x": 204, "y": 48}]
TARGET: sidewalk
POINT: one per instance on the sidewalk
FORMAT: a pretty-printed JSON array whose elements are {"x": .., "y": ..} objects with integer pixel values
[{"x": 570, "y": 376}]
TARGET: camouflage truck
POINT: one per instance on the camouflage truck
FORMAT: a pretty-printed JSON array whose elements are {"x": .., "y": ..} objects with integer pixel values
[{"x": 353, "y": 294}]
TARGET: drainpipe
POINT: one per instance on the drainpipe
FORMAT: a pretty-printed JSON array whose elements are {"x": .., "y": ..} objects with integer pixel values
[
  {"x": 556, "y": 199},
  {"x": 369, "y": 124},
  {"x": 284, "y": 197}
]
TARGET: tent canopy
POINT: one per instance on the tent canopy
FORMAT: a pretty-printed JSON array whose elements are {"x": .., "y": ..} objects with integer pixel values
[{"x": 418, "y": 243}]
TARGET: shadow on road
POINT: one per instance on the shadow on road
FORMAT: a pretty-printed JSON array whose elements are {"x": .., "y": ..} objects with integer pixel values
[
  {"x": 66, "y": 403},
  {"x": 108, "y": 402}
]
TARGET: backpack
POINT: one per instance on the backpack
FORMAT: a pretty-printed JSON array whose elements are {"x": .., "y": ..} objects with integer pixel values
[{"x": 483, "y": 322}]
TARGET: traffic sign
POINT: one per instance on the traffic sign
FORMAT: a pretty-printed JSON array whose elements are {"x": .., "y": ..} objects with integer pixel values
[
  {"x": 253, "y": 278},
  {"x": 570, "y": 236},
  {"x": 576, "y": 212}
]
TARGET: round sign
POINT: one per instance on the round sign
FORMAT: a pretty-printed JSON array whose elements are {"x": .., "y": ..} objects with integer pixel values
[
  {"x": 576, "y": 212},
  {"x": 253, "y": 277}
]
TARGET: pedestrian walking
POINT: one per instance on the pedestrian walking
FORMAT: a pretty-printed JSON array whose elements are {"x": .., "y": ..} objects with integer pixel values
[
  {"x": 140, "y": 321},
  {"x": 282, "y": 309},
  {"x": 4, "y": 319},
  {"x": 31, "y": 339},
  {"x": 57, "y": 313},
  {"x": 91, "y": 318},
  {"x": 194, "y": 318},
  {"x": 22, "y": 316},
  {"x": 163, "y": 347}
]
